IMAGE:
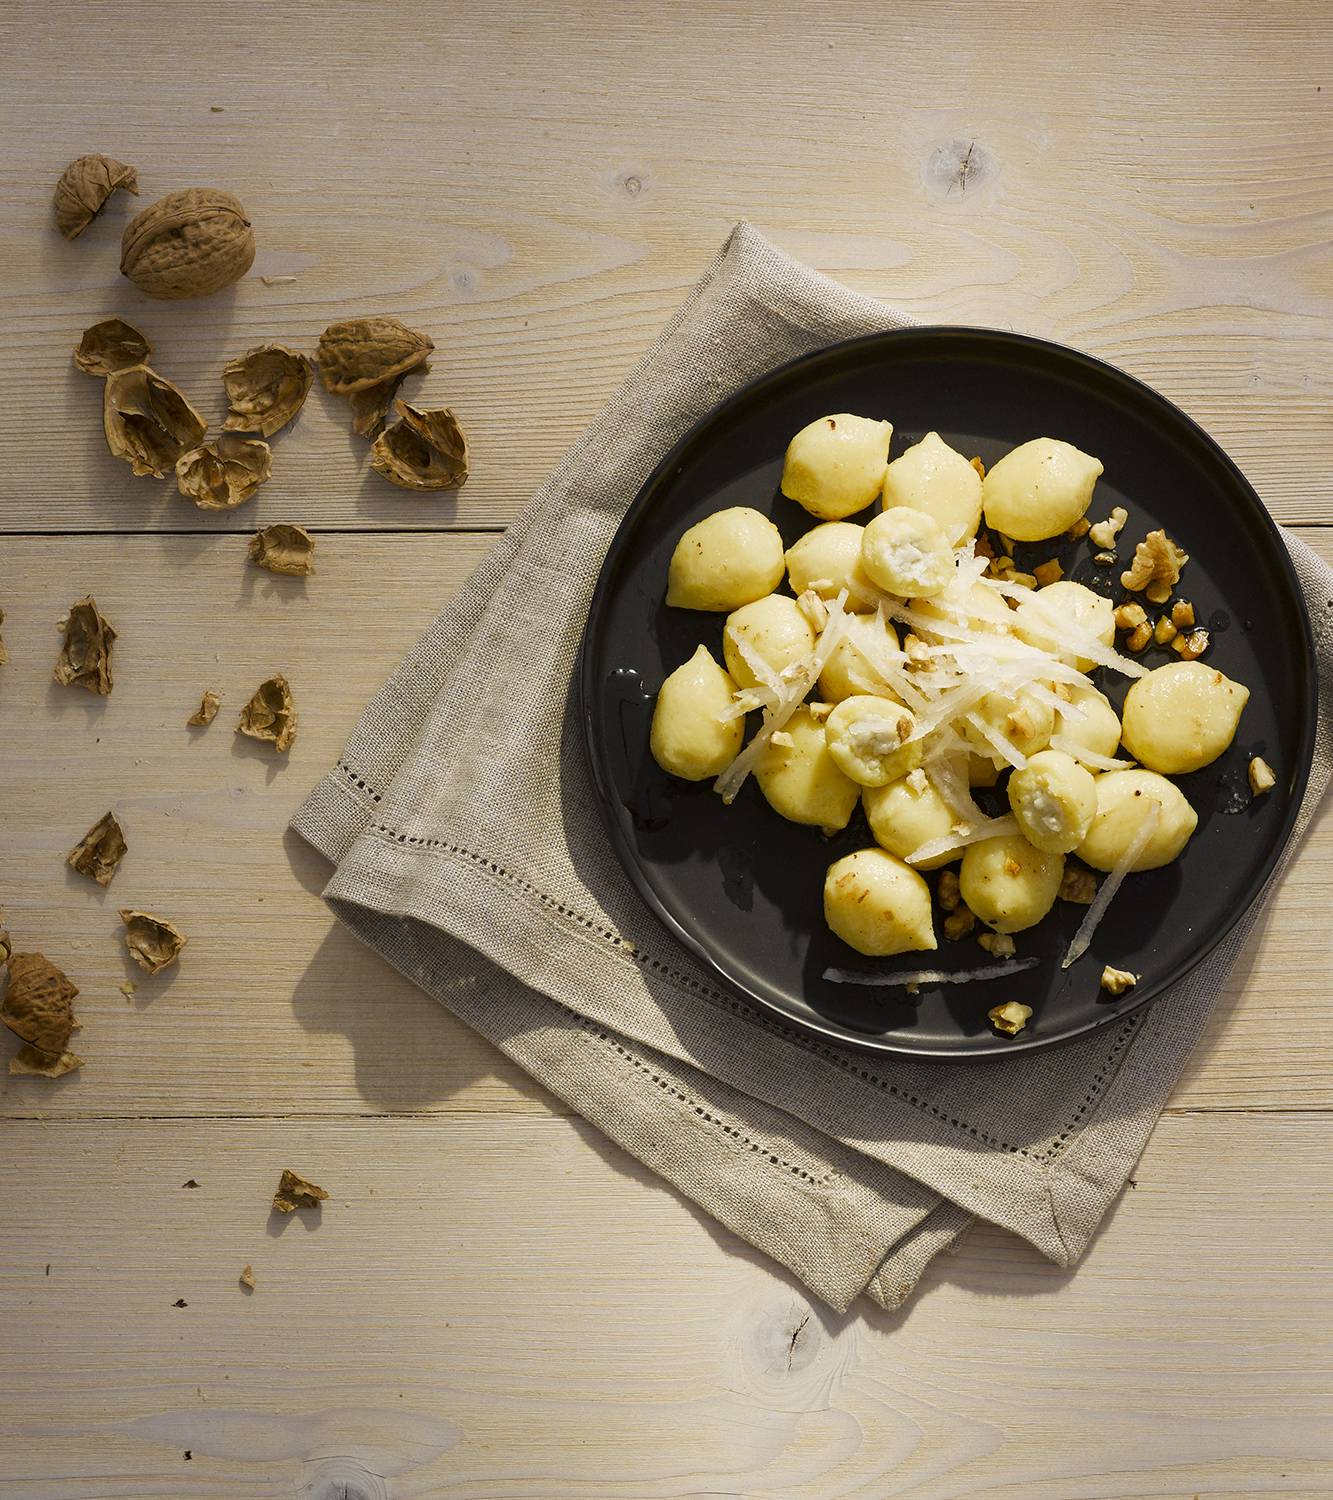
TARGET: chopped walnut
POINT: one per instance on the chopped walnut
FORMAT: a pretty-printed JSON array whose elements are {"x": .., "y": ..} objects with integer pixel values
[
  {"x": 998, "y": 943},
  {"x": 1182, "y": 614},
  {"x": 1192, "y": 646},
  {"x": 1130, "y": 616},
  {"x": 978, "y": 466},
  {"x": 1164, "y": 631},
  {"x": 1156, "y": 567},
  {"x": 999, "y": 566},
  {"x": 813, "y": 608},
  {"x": 1063, "y": 691},
  {"x": 1012, "y": 867},
  {"x": 1138, "y": 638},
  {"x": 1048, "y": 572},
  {"x": 916, "y": 649},
  {"x": 296, "y": 1192},
  {"x": 959, "y": 923},
  {"x": 1023, "y": 580},
  {"x": 918, "y": 781},
  {"x": 1104, "y": 533},
  {"x": 1262, "y": 776},
  {"x": 1080, "y": 528},
  {"x": 1117, "y": 981},
  {"x": 820, "y": 711},
  {"x": 782, "y": 740},
  {"x": 984, "y": 546},
  {"x": 1078, "y": 885},
  {"x": 1104, "y": 559},
  {"x": 947, "y": 892},
  {"x": 1010, "y": 1018},
  {"x": 1008, "y": 543}
]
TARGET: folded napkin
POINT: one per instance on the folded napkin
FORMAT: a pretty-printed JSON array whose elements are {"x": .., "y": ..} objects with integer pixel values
[{"x": 469, "y": 852}]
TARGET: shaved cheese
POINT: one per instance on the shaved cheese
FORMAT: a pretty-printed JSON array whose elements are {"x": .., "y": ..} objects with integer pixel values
[
  {"x": 1067, "y": 635},
  {"x": 998, "y": 742},
  {"x": 929, "y": 976},
  {"x": 761, "y": 670},
  {"x": 1089, "y": 757},
  {"x": 1079, "y": 946},
  {"x": 1043, "y": 694},
  {"x": 988, "y": 828}
]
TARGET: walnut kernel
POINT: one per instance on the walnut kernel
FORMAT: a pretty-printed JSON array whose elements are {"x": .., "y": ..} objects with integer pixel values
[
  {"x": 1079, "y": 529},
  {"x": 1010, "y": 1018},
  {"x": 1262, "y": 776},
  {"x": 1129, "y": 616},
  {"x": 1000, "y": 944},
  {"x": 1164, "y": 632},
  {"x": 959, "y": 923},
  {"x": 1138, "y": 638},
  {"x": 1182, "y": 614},
  {"x": 1078, "y": 885},
  {"x": 1048, "y": 572},
  {"x": 1117, "y": 981},
  {"x": 947, "y": 893},
  {"x": 1192, "y": 646},
  {"x": 1156, "y": 566},
  {"x": 1104, "y": 533}
]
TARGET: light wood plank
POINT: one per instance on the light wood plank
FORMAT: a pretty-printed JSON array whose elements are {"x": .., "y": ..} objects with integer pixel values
[
  {"x": 538, "y": 187},
  {"x": 523, "y": 1312}
]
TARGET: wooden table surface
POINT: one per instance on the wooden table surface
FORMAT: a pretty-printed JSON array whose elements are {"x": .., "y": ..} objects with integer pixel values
[{"x": 494, "y": 1302}]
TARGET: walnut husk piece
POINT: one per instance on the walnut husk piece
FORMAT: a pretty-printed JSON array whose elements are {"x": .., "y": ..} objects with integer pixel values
[
  {"x": 38, "y": 1009},
  {"x": 426, "y": 450},
  {"x": 207, "y": 710},
  {"x": 188, "y": 244},
  {"x": 111, "y": 345},
  {"x": 266, "y": 387},
  {"x": 371, "y": 407},
  {"x": 154, "y": 944},
  {"x": 85, "y": 656},
  {"x": 362, "y": 352},
  {"x": 295, "y": 1192},
  {"x": 84, "y": 187},
  {"x": 271, "y": 714},
  {"x": 147, "y": 421},
  {"x": 100, "y": 850},
  {"x": 282, "y": 548},
  {"x": 224, "y": 474}
]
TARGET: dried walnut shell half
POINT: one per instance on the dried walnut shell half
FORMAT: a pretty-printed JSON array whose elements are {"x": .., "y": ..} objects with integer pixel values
[
  {"x": 100, "y": 850},
  {"x": 425, "y": 451},
  {"x": 38, "y": 1003},
  {"x": 85, "y": 656},
  {"x": 188, "y": 244},
  {"x": 207, "y": 710},
  {"x": 84, "y": 187},
  {"x": 371, "y": 407},
  {"x": 153, "y": 943},
  {"x": 147, "y": 421},
  {"x": 110, "y": 346},
  {"x": 266, "y": 387},
  {"x": 224, "y": 474},
  {"x": 294, "y": 1192},
  {"x": 32, "y": 1060},
  {"x": 362, "y": 352},
  {"x": 271, "y": 714},
  {"x": 284, "y": 549}
]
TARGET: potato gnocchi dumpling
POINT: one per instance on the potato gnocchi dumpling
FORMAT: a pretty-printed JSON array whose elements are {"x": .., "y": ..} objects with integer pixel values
[
  {"x": 827, "y": 559},
  {"x": 935, "y": 478},
  {"x": 774, "y": 629},
  {"x": 869, "y": 738},
  {"x": 730, "y": 558},
  {"x": 984, "y": 610},
  {"x": 878, "y": 905},
  {"x": 1023, "y": 718},
  {"x": 1097, "y": 731},
  {"x": 1182, "y": 717},
  {"x": 1051, "y": 607},
  {"x": 1009, "y": 883},
  {"x": 1054, "y": 800},
  {"x": 906, "y": 553},
  {"x": 902, "y": 817},
  {"x": 1038, "y": 489},
  {"x": 689, "y": 737},
  {"x": 802, "y": 782},
  {"x": 1122, "y": 801},
  {"x": 850, "y": 667},
  {"x": 835, "y": 466}
]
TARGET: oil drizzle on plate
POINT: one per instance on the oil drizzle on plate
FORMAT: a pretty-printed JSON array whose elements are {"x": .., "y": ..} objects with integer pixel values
[{"x": 630, "y": 707}]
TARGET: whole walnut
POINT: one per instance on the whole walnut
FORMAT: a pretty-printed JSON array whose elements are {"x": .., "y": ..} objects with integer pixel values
[{"x": 188, "y": 244}]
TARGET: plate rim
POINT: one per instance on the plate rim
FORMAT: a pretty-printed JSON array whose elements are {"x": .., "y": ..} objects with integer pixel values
[{"x": 607, "y": 800}]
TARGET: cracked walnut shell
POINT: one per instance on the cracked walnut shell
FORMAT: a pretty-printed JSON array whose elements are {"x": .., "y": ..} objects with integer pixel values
[
  {"x": 271, "y": 714},
  {"x": 85, "y": 656},
  {"x": 153, "y": 943},
  {"x": 207, "y": 710},
  {"x": 266, "y": 388},
  {"x": 33, "y": 1061},
  {"x": 294, "y": 1192},
  {"x": 361, "y": 352},
  {"x": 100, "y": 850},
  {"x": 188, "y": 244},
  {"x": 284, "y": 549},
  {"x": 111, "y": 345},
  {"x": 147, "y": 421},
  {"x": 426, "y": 450},
  {"x": 84, "y": 187},
  {"x": 38, "y": 1005},
  {"x": 224, "y": 474}
]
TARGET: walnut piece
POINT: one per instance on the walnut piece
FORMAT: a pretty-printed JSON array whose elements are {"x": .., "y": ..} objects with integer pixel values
[
  {"x": 1182, "y": 614},
  {"x": 1078, "y": 885},
  {"x": 782, "y": 740},
  {"x": 295, "y": 1192},
  {"x": 85, "y": 656},
  {"x": 1156, "y": 567},
  {"x": 100, "y": 850},
  {"x": 979, "y": 467},
  {"x": 154, "y": 944},
  {"x": 1192, "y": 646},
  {"x": 1010, "y": 1018},
  {"x": 147, "y": 421},
  {"x": 1164, "y": 632},
  {"x": 1079, "y": 529},
  {"x": 207, "y": 710},
  {"x": 1117, "y": 981},
  {"x": 947, "y": 892},
  {"x": 362, "y": 352},
  {"x": 814, "y": 609},
  {"x": 1262, "y": 776},
  {"x": 1138, "y": 638},
  {"x": 270, "y": 714},
  {"x": 1048, "y": 572},
  {"x": 959, "y": 922},
  {"x": 266, "y": 387},
  {"x": 1129, "y": 616},
  {"x": 84, "y": 187},
  {"x": 224, "y": 474},
  {"x": 188, "y": 244},
  {"x": 998, "y": 943},
  {"x": 111, "y": 345},
  {"x": 1104, "y": 559},
  {"x": 37, "y": 1006},
  {"x": 426, "y": 450},
  {"x": 284, "y": 549},
  {"x": 1104, "y": 533}
]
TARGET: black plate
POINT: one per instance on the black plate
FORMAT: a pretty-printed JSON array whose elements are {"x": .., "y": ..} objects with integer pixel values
[{"x": 742, "y": 887}]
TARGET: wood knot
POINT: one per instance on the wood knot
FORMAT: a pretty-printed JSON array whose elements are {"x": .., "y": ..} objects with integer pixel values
[
  {"x": 961, "y": 170},
  {"x": 629, "y": 182}
]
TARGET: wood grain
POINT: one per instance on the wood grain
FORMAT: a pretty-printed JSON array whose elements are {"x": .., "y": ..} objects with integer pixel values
[{"x": 537, "y": 187}]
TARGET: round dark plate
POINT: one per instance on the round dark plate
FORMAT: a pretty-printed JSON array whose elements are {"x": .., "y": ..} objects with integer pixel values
[{"x": 743, "y": 888}]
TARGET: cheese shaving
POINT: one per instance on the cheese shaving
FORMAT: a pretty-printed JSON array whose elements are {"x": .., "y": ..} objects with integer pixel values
[
  {"x": 988, "y": 828},
  {"x": 930, "y": 976},
  {"x": 1068, "y": 636},
  {"x": 1088, "y": 757},
  {"x": 1079, "y": 946}
]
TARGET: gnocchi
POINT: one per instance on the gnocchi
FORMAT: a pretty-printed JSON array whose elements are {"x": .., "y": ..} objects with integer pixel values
[
  {"x": 1009, "y": 883},
  {"x": 878, "y": 905},
  {"x": 728, "y": 559},
  {"x": 1041, "y": 619},
  {"x": 1121, "y": 799},
  {"x": 827, "y": 559},
  {"x": 903, "y": 816},
  {"x": 802, "y": 782},
  {"x": 835, "y": 466},
  {"x": 907, "y": 553},
  {"x": 772, "y": 630},
  {"x": 1038, "y": 489},
  {"x": 1182, "y": 717},
  {"x": 1054, "y": 800},
  {"x": 690, "y": 737},
  {"x": 935, "y": 478},
  {"x": 871, "y": 740},
  {"x": 850, "y": 668}
]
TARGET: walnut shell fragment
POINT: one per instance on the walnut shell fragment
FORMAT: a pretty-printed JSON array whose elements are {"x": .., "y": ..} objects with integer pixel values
[
  {"x": 284, "y": 549},
  {"x": 371, "y": 407},
  {"x": 100, "y": 850},
  {"x": 34, "y": 1062},
  {"x": 188, "y": 244},
  {"x": 247, "y": 1278},
  {"x": 224, "y": 474},
  {"x": 266, "y": 387},
  {"x": 295, "y": 1192},
  {"x": 361, "y": 352},
  {"x": 84, "y": 187},
  {"x": 271, "y": 714},
  {"x": 37, "y": 1006},
  {"x": 207, "y": 710},
  {"x": 85, "y": 656},
  {"x": 425, "y": 451},
  {"x": 147, "y": 421},
  {"x": 154, "y": 944},
  {"x": 111, "y": 345}
]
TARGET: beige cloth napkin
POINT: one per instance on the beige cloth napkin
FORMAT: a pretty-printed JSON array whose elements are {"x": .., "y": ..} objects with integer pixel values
[{"x": 469, "y": 852}]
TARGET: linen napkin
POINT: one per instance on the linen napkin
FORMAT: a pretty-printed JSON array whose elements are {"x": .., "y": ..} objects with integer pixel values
[{"x": 469, "y": 852}]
